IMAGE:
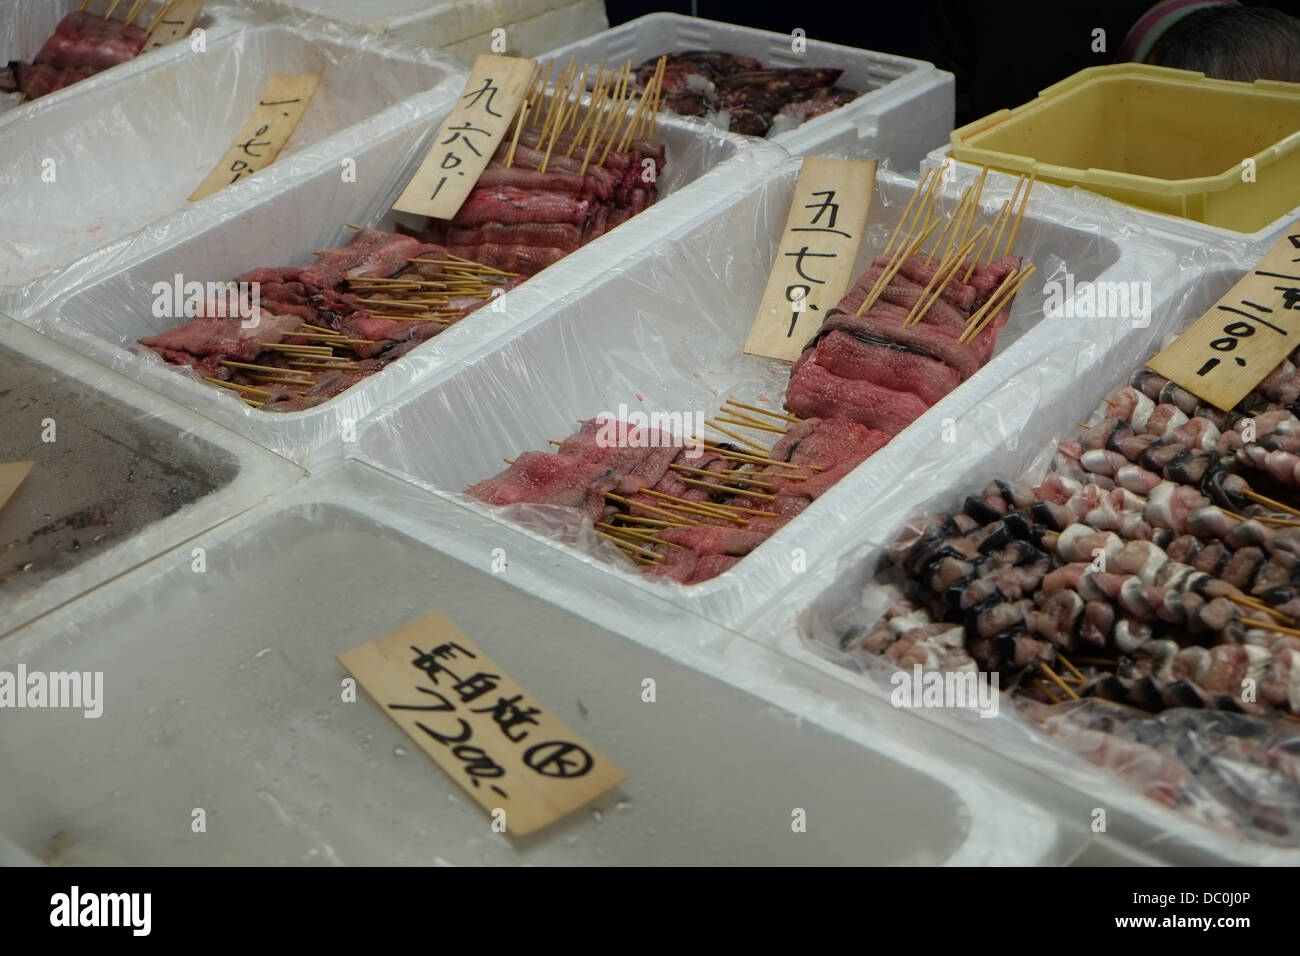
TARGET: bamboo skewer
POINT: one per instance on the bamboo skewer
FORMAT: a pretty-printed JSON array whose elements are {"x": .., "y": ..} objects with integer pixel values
[
  {"x": 751, "y": 424},
  {"x": 1011, "y": 236},
  {"x": 1010, "y": 286},
  {"x": 1056, "y": 679},
  {"x": 920, "y": 187},
  {"x": 134, "y": 12},
  {"x": 740, "y": 438},
  {"x": 764, "y": 411},
  {"x": 883, "y": 280}
]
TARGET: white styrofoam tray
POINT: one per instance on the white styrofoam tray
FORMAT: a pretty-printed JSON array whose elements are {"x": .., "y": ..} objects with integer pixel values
[
  {"x": 254, "y": 474},
  {"x": 25, "y": 25},
  {"x": 664, "y": 332},
  {"x": 908, "y": 110},
  {"x": 1009, "y": 434},
  {"x": 221, "y": 691},
  {"x": 129, "y": 152},
  {"x": 1179, "y": 233},
  {"x": 299, "y": 214}
]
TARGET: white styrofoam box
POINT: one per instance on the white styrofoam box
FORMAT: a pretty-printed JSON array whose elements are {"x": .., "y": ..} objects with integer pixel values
[
  {"x": 1010, "y": 434},
  {"x": 1177, "y": 232},
  {"x": 221, "y": 690},
  {"x": 535, "y": 35},
  {"x": 296, "y": 215},
  {"x": 128, "y": 153},
  {"x": 908, "y": 110},
  {"x": 664, "y": 332},
  {"x": 77, "y": 397},
  {"x": 25, "y": 25},
  {"x": 530, "y": 26}
]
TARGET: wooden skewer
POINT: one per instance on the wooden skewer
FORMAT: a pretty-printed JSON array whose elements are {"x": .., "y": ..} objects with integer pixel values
[
  {"x": 1011, "y": 236},
  {"x": 650, "y": 522},
  {"x": 239, "y": 388},
  {"x": 261, "y": 368},
  {"x": 1056, "y": 679},
  {"x": 748, "y": 458},
  {"x": 628, "y": 545},
  {"x": 886, "y": 277},
  {"x": 651, "y": 508},
  {"x": 638, "y": 535},
  {"x": 1272, "y": 503},
  {"x": 979, "y": 252},
  {"x": 728, "y": 489},
  {"x": 702, "y": 509},
  {"x": 1015, "y": 196},
  {"x": 268, "y": 380},
  {"x": 1046, "y": 688},
  {"x": 1263, "y": 608},
  {"x": 974, "y": 206},
  {"x": 740, "y": 438},
  {"x": 953, "y": 219},
  {"x": 1003, "y": 296},
  {"x": 764, "y": 411},
  {"x": 920, "y": 188},
  {"x": 749, "y": 424},
  {"x": 736, "y": 476},
  {"x": 934, "y": 288},
  {"x": 340, "y": 365},
  {"x": 108, "y": 14},
  {"x": 134, "y": 12},
  {"x": 1270, "y": 626},
  {"x": 1063, "y": 659}
]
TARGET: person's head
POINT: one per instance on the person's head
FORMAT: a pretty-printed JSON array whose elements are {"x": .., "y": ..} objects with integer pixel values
[{"x": 1222, "y": 40}]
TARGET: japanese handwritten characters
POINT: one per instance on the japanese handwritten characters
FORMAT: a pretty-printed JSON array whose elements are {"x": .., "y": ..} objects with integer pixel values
[
  {"x": 173, "y": 20},
  {"x": 814, "y": 262},
  {"x": 468, "y": 137},
  {"x": 279, "y": 109},
  {"x": 479, "y": 725},
  {"x": 1245, "y": 335}
]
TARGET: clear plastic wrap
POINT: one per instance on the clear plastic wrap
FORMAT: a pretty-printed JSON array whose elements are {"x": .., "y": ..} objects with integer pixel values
[
  {"x": 127, "y": 152},
  {"x": 221, "y": 691},
  {"x": 1230, "y": 806},
  {"x": 664, "y": 331},
  {"x": 309, "y": 210},
  {"x": 119, "y": 476},
  {"x": 906, "y": 109},
  {"x": 465, "y": 29}
]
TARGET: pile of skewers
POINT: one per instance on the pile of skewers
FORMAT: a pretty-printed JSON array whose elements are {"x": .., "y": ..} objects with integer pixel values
[
  {"x": 317, "y": 330},
  {"x": 573, "y": 168},
  {"x": 1154, "y": 571},
  {"x": 872, "y": 368},
  {"x": 82, "y": 45}
]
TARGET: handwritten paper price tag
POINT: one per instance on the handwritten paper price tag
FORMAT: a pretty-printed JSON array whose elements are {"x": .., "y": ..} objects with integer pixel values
[
  {"x": 11, "y": 476},
  {"x": 1245, "y": 335},
  {"x": 468, "y": 137},
  {"x": 174, "y": 20},
  {"x": 278, "y": 111},
  {"x": 814, "y": 262},
  {"x": 480, "y": 726}
]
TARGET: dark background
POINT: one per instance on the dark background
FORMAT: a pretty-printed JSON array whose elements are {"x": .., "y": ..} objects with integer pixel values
[{"x": 1001, "y": 51}]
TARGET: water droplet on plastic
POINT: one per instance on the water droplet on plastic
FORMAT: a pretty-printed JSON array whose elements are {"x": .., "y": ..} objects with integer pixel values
[
  {"x": 623, "y": 805},
  {"x": 399, "y": 751},
  {"x": 597, "y": 815},
  {"x": 262, "y": 653}
]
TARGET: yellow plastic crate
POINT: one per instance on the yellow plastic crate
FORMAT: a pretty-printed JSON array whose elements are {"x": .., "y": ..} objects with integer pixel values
[{"x": 1170, "y": 140}]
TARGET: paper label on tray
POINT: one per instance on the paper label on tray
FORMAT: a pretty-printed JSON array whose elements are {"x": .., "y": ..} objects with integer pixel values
[
  {"x": 1245, "y": 335},
  {"x": 11, "y": 476},
  {"x": 481, "y": 727},
  {"x": 468, "y": 137},
  {"x": 176, "y": 20},
  {"x": 814, "y": 262},
  {"x": 279, "y": 109}
]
